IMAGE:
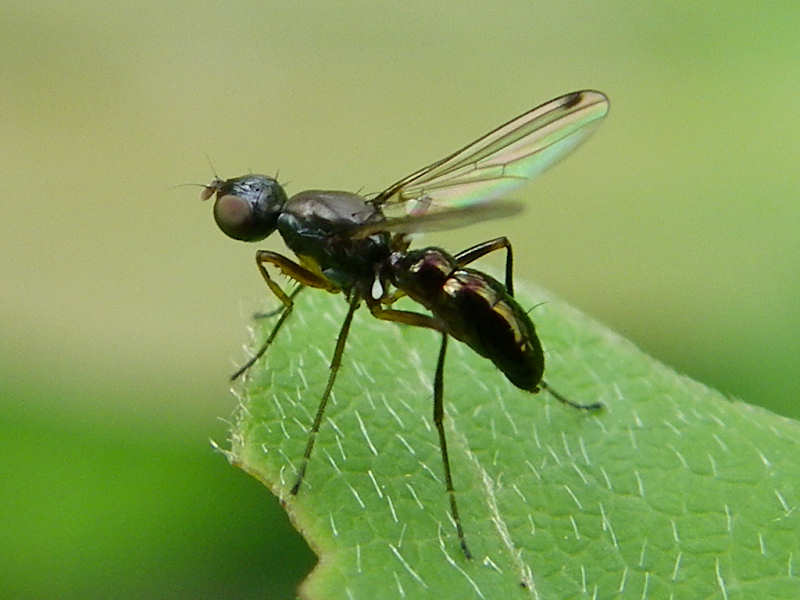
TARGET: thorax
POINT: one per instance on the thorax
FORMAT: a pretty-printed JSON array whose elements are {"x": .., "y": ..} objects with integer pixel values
[{"x": 317, "y": 226}]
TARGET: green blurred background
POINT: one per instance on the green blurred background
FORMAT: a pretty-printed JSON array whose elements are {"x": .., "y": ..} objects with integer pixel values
[{"x": 123, "y": 308}]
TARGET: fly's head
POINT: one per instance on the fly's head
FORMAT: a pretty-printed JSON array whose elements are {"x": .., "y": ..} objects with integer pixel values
[{"x": 246, "y": 208}]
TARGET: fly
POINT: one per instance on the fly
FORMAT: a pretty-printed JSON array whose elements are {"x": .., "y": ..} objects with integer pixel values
[{"x": 350, "y": 244}]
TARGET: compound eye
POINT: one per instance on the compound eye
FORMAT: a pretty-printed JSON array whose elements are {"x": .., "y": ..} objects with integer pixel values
[
  {"x": 246, "y": 208},
  {"x": 234, "y": 216}
]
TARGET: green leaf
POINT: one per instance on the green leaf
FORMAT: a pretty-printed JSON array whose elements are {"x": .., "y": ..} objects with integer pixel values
[{"x": 672, "y": 490}]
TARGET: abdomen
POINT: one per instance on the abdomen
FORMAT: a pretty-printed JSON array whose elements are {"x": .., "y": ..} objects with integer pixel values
[{"x": 477, "y": 310}]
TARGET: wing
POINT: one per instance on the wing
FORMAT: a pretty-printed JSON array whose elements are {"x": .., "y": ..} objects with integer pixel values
[
  {"x": 440, "y": 219},
  {"x": 501, "y": 160}
]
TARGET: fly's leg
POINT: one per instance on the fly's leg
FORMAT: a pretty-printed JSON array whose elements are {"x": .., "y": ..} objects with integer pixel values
[
  {"x": 284, "y": 311},
  {"x": 258, "y": 315},
  {"x": 438, "y": 417},
  {"x": 479, "y": 250},
  {"x": 563, "y": 399},
  {"x": 336, "y": 361},
  {"x": 291, "y": 269},
  {"x": 270, "y": 313},
  {"x": 406, "y": 317},
  {"x": 420, "y": 320},
  {"x": 393, "y": 297}
]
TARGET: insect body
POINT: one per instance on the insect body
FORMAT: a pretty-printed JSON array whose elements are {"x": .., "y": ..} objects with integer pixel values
[
  {"x": 475, "y": 309},
  {"x": 347, "y": 243}
]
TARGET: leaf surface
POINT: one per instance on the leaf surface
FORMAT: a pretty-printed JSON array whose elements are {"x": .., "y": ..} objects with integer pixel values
[{"x": 672, "y": 490}]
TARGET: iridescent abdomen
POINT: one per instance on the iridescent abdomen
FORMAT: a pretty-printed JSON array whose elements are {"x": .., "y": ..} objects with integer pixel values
[{"x": 475, "y": 309}]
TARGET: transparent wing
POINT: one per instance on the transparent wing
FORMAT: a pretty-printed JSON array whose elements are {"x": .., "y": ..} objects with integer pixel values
[
  {"x": 441, "y": 219},
  {"x": 503, "y": 159}
]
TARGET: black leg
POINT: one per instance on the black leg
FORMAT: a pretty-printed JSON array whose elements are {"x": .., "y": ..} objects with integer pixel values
[
  {"x": 420, "y": 320},
  {"x": 258, "y": 315},
  {"x": 294, "y": 271},
  {"x": 560, "y": 398},
  {"x": 438, "y": 417},
  {"x": 478, "y": 250},
  {"x": 336, "y": 361},
  {"x": 285, "y": 312}
]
